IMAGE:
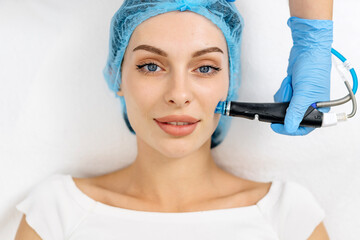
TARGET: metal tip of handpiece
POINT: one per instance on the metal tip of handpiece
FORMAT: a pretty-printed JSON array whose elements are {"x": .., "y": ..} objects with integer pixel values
[{"x": 220, "y": 108}]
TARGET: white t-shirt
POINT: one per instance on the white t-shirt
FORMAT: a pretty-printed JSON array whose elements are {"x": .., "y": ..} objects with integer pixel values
[{"x": 57, "y": 209}]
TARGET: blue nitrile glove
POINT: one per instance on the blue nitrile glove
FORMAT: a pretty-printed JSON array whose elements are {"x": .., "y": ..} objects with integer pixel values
[{"x": 308, "y": 79}]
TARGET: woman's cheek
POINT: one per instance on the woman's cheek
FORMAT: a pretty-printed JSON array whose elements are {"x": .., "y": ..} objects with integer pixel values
[{"x": 143, "y": 90}]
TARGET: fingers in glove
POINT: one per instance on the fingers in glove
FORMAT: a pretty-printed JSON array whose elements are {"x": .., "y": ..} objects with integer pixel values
[{"x": 301, "y": 131}]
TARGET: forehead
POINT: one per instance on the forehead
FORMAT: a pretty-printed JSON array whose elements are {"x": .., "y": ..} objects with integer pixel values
[{"x": 178, "y": 32}]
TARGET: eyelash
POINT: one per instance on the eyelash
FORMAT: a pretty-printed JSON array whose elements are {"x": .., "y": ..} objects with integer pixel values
[{"x": 139, "y": 68}]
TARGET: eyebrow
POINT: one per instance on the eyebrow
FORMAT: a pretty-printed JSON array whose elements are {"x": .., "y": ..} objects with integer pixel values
[{"x": 164, "y": 54}]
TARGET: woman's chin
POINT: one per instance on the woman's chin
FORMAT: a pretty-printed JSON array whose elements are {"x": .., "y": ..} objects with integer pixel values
[{"x": 179, "y": 148}]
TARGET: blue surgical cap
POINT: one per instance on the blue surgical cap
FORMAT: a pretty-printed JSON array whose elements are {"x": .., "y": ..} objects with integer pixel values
[{"x": 222, "y": 13}]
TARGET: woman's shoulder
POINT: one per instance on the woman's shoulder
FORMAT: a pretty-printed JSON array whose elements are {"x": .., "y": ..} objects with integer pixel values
[
  {"x": 288, "y": 192},
  {"x": 56, "y": 192},
  {"x": 292, "y": 209},
  {"x": 295, "y": 192},
  {"x": 53, "y": 189},
  {"x": 92, "y": 187},
  {"x": 48, "y": 184},
  {"x": 50, "y": 208}
]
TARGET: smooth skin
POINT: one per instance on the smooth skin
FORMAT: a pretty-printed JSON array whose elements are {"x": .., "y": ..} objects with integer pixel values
[
  {"x": 25, "y": 232},
  {"x": 310, "y": 9},
  {"x": 168, "y": 171}
]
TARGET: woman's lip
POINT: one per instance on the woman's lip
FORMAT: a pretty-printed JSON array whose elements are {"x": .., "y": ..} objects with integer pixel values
[
  {"x": 178, "y": 118},
  {"x": 177, "y": 130}
]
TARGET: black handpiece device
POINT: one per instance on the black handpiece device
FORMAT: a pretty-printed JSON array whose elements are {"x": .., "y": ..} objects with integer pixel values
[{"x": 271, "y": 112}]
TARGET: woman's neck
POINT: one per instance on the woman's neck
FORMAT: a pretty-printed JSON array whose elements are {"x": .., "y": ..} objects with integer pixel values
[{"x": 175, "y": 182}]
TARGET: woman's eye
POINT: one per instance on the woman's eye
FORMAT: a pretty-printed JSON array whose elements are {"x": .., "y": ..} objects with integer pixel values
[
  {"x": 205, "y": 69},
  {"x": 151, "y": 69}
]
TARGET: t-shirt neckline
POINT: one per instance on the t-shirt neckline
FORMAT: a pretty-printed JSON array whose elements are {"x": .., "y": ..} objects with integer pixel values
[{"x": 99, "y": 207}]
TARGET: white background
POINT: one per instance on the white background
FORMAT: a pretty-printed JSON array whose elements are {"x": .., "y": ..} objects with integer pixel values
[{"x": 57, "y": 114}]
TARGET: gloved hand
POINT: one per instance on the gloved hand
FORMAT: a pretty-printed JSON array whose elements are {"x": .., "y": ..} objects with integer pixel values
[{"x": 308, "y": 72}]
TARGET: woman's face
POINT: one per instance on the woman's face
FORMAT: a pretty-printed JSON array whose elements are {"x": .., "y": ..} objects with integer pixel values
[{"x": 174, "y": 81}]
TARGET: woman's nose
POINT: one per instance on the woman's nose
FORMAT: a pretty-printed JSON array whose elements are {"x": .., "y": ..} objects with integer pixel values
[{"x": 179, "y": 90}]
